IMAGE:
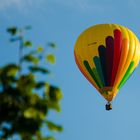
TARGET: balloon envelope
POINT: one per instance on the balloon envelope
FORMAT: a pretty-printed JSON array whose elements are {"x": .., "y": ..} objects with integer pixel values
[{"x": 107, "y": 55}]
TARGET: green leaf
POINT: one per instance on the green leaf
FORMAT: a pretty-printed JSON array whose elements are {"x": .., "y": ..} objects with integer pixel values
[
  {"x": 54, "y": 105},
  {"x": 33, "y": 113},
  {"x": 26, "y": 83},
  {"x": 54, "y": 93},
  {"x": 30, "y": 58},
  {"x": 41, "y": 115},
  {"x": 27, "y": 43},
  {"x": 38, "y": 69},
  {"x": 40, "y": 49},
  {"x": 50, "y": 58},
  {"x": 49, "y": 138},
  {"x": 30, "y": 113},
  {"x": 12, "y": 30},
  {"x": 54, "y": 127},
  {"x": 52, "y": 45},
  {"x": 10, "y": 70},
  {"x": 40, "y": 85},
  {"x": 34, "y": 99}
]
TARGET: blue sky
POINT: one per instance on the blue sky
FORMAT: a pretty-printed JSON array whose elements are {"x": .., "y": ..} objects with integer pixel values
[{"x": 83, "y": 115}]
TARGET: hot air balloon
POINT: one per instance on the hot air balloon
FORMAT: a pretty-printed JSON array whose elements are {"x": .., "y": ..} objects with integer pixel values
[{"x": 107, "y": 55}]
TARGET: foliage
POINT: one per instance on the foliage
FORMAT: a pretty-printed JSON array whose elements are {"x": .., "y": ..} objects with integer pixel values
[{"x": 23, "y": 109}]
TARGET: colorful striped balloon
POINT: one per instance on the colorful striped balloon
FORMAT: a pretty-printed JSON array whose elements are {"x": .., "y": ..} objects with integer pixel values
[{"x": 107, "y": 55}]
